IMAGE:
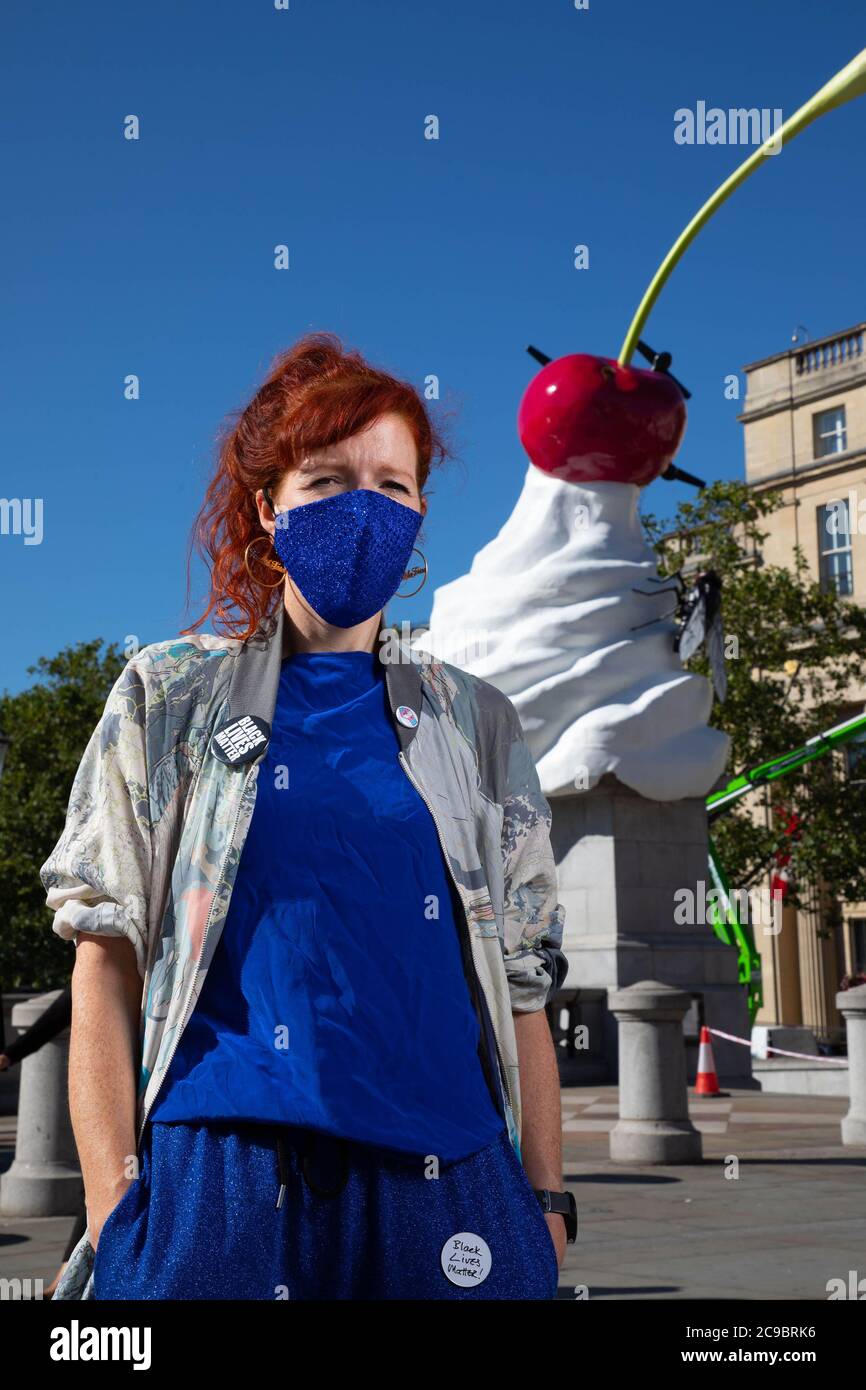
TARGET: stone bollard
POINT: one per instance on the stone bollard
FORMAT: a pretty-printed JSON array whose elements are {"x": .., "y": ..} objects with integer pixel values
[
  {"x": 44, "y": 1179},
  {"x": 654, "y": 1124},
  {"x": 851, "y": 1003}
]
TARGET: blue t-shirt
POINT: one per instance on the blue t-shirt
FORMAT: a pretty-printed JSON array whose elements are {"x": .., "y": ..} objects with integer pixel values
[{"x": 336, "y": 998}]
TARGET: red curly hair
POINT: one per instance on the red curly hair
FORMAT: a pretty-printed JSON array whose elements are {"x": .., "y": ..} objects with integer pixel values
[{"x": 315, "y": 395}]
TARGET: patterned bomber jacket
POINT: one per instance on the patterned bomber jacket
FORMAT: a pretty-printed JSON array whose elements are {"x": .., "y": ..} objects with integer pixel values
[{"x": 156, "y": 823}]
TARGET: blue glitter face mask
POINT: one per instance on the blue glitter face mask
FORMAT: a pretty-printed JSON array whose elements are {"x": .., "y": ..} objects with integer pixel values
[{"x": 347, "y": 553}]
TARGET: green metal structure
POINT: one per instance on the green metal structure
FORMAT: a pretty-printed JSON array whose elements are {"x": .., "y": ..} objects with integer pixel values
[{"x": 728, "y": 911}]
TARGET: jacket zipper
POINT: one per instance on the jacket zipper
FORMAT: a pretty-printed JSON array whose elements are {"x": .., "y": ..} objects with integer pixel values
[
  {"x": 207, "y": 928},
  {"x": 503, "y": 1080}
]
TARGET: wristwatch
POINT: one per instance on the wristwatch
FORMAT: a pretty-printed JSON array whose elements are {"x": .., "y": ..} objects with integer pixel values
[{"x": 564, "y": 1204}]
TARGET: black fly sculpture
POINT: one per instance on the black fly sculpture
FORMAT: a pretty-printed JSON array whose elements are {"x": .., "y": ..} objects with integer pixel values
[{"x": 698, "y": 615}]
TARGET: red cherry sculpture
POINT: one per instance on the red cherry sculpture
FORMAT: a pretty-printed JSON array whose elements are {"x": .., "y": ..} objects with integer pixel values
[{"x": 587, "y": 419}]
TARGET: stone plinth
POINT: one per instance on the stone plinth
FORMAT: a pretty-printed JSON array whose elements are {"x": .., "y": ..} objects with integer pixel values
[{"x": 621, "y": 862}]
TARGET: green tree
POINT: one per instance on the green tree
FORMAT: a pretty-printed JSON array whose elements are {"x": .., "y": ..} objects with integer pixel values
[
  {"x": 777, "y": 616},
  {"x": 48, "y": 725}
]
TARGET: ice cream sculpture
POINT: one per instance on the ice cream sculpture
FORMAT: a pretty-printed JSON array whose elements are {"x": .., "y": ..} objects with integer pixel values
[{"x": 558, "y": 609}]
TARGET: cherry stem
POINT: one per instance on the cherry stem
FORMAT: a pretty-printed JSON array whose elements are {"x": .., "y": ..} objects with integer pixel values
[{"x": 848, "y": 83}]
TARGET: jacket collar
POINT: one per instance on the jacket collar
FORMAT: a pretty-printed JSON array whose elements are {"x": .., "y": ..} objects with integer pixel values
[{"x": 255, "y": 674}]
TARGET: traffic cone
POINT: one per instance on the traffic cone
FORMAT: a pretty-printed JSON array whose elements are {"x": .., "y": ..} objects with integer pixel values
[{"x": 706, "y": 1083}]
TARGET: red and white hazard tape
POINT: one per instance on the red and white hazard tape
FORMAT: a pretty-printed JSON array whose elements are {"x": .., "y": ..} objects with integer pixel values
[{"x": 806, "y": 1056}]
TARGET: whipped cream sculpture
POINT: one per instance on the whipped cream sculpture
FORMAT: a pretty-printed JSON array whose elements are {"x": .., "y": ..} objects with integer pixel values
[
  {"x": 549, "y": 611},
  {"x": 559, "y": 610}
]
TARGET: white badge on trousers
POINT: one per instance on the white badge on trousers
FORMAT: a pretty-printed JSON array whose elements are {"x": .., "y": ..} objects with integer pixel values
[{"x": 466, "y": 1259}]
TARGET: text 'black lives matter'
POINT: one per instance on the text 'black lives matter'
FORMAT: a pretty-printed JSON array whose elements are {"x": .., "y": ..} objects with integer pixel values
[{"x": 240, "y": 740}]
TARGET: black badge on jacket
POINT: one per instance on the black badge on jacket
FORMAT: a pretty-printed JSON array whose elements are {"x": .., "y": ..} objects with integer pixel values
[{"x": 240, "y": 740}]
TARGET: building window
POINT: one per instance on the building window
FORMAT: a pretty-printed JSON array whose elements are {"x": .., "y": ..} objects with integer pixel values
[
  {"x": 858, "y": 944},
  {"x": 834, "y": 547},
  {"x": 828, "y": 429}
]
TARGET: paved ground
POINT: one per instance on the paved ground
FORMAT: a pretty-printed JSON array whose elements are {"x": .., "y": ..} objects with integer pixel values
[{"x": 794, "y": 1218}]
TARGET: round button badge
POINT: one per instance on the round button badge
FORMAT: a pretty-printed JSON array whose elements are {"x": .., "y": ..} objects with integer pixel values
[
  {"x": 466, "y": 1259},
  {"x": 240, "y": 740},
  {"x": 407, "y": 716}
]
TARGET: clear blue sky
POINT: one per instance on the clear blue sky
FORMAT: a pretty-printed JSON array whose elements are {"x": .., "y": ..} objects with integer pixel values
[{"x": 306, "y": 127}]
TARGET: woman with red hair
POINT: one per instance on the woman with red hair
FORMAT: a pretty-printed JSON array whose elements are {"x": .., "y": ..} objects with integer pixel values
[{"x": 308, "y": 873}]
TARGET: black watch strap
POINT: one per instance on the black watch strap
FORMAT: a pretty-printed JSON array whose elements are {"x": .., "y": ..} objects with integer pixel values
[{"x": 563, "y": 1204}]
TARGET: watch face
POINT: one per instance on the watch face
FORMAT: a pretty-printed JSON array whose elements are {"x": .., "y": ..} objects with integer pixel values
[
  {"x": 568, "y": 1207},
  {"x": 564, "y": 1205}
]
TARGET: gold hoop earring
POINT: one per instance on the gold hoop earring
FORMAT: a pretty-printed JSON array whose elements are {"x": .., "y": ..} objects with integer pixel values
[
  {"x": 410, "y": 574},
  {"x": 271, "y": 564}
]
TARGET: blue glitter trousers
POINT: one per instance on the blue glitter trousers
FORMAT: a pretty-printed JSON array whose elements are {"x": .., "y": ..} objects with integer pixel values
[{"x": 235, "y": 1210}]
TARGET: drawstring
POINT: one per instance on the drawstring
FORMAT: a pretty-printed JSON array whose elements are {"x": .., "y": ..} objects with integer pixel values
[
  {"x": 283, "y": 1166},
  {"x": 284, "y": 1169}
]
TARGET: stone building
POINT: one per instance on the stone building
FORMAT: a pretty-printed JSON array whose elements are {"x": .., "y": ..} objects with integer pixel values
[{"x": 804, "y": 426}]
